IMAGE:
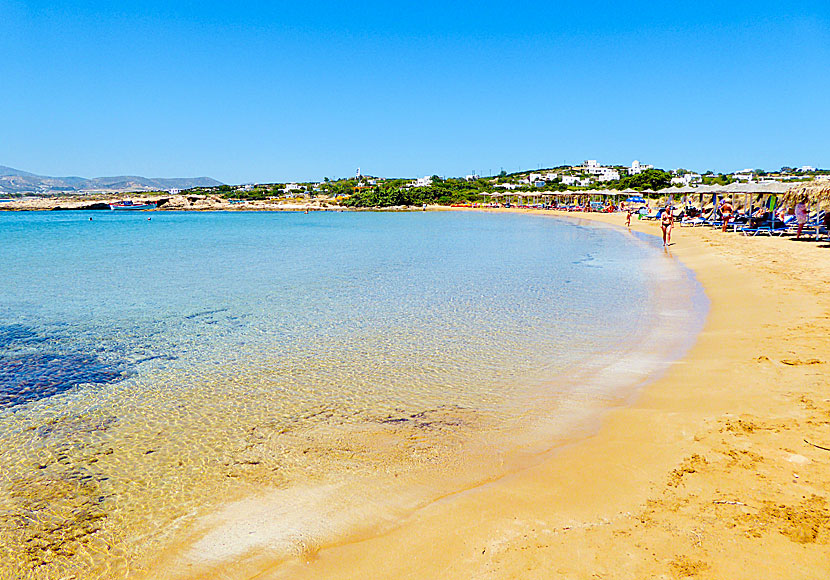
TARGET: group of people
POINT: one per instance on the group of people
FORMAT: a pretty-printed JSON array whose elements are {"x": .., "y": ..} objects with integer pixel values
[
  {"x": 763, "y": 215},
  {"x": 666, "y": 223},
  {"x": 728, "y": 214}
]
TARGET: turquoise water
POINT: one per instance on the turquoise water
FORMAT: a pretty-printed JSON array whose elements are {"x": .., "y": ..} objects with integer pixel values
[{"x": 150, "y": 368}]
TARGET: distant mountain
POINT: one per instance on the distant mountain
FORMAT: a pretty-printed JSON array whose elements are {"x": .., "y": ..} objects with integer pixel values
[{"x": 14, "y": 181}]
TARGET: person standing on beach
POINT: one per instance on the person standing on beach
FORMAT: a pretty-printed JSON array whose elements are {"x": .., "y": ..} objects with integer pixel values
[
  {"x": 628, "y": 218},
  {"x": 726, "y": 213},
  {"x": 666, "y": 222},
  {"x": 800, "y": 216}
]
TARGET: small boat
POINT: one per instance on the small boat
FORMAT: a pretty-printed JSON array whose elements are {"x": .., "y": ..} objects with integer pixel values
[{"x": 127, "y": 204}]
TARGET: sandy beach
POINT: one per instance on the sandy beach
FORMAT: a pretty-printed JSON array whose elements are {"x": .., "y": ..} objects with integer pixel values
[{"x": 720, "y": 469}]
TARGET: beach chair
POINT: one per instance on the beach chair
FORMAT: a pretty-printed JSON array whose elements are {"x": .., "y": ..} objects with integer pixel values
[{"x": 767, "y": 230}]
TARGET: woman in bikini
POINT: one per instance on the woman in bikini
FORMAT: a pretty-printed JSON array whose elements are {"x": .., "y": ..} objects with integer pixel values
[
  {"x": 726, "y": 214},
  {"x": 666, "y": 222}
]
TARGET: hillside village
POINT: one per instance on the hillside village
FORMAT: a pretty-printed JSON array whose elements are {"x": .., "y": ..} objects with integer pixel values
[{"x": 367, "y": 190}]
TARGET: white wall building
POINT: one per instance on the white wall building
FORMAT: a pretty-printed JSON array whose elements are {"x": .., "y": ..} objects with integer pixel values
[
  {"x": 570, "y": 179},
  {"x": 744, "y": 175},
  {"x": 637, "y": 168},
  {"x": 686, "y": 179},
  {"x": 423, "y": 182},
  {"x": 592, "y": 167}
]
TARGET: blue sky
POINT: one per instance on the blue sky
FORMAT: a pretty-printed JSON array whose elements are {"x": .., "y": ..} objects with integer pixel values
[{"x": 298, "y": 91}]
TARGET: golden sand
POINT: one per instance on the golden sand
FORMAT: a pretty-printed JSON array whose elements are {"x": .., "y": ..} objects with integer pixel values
[{"x": 716, "y": 471}]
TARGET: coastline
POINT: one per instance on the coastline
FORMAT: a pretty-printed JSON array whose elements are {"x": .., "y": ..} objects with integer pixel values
[
  {"x": 178, "y": 202},
  {"x": 707, "y": 474}
]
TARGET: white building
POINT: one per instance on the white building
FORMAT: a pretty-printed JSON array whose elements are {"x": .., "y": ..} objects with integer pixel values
[
  {"x": 686, "y": 179},
  {"x": 551, "y": 176},
  {"x": 744, "y": 175},
  {"x": 174, "y": 191},
  {"x": 292, "y": 187},
  {"x": 510, "y": 186},
  {"x": 609, "y": 174},
  {"x": 592, "y": 167},
  {"x": 472, "y": 177},
  {"x": 423, "y": 182},
  {"x": 637, "y": 168},
  {"x": 570, "y": 179},
  {"x": 806, "y": 169}
]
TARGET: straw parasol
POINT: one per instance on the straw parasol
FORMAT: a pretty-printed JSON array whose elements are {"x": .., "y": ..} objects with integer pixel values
[
  {"x": 709, "y": 188},
  {"x": 772, "y": 187},
  {"x": 813, "y": 191}
]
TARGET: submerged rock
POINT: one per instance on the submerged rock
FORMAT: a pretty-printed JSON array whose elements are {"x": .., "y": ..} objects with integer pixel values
[{"x": 32, "y": 376}]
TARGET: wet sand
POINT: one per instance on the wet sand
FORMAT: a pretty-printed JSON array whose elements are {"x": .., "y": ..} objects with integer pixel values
[{"x": 715, "y": 471}]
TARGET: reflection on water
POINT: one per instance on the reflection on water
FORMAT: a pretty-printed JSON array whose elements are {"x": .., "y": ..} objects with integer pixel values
[{"x": 152, "y": 371}]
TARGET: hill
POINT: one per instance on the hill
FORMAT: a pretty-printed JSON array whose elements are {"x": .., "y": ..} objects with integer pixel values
[{"x": 14, "y": 181}]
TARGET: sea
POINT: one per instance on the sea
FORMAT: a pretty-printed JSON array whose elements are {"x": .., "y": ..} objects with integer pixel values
[{"x": 340, "y": 368}]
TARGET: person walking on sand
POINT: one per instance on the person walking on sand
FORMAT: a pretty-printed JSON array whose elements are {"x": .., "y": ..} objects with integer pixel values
[
  {"x": 628, "y": 218},
  {"x": 726, "y": 213},
  {"x": 800, "y": 216},
  {"x": 666, "y": 222}
]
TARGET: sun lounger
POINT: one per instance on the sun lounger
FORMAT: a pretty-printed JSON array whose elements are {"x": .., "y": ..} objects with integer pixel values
[{"x": 765, "y": 230}]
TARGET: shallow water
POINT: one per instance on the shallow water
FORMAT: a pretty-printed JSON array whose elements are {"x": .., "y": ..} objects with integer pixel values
[{"x": 152, "y": 371}]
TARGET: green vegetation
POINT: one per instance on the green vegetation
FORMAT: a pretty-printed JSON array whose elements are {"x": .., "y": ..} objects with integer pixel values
[
  {"x": 442, "y": 191},
  {"x": 720, "y": 179},
  {"x": 650, "y": 179}
]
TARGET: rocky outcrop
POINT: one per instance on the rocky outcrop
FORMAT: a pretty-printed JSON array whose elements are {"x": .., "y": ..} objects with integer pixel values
[{"x": 95, "y": 205}]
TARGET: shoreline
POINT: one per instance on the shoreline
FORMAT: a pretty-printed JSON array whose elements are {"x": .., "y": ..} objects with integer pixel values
[
  {"x": 707, "y": 474},
  {"x": 239, "y": 529},
  {"x": 196, "y": 202}
]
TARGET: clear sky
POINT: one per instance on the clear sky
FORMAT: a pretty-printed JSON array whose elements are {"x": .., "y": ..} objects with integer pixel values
[{"x": 275, "y": 91}]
